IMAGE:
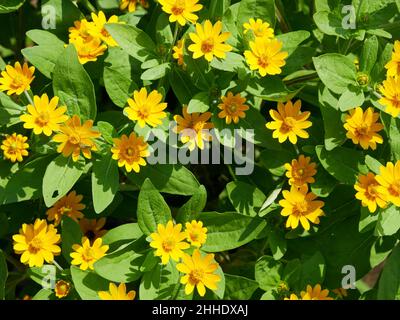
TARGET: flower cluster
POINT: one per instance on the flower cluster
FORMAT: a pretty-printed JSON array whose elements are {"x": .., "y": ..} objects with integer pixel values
[{"x": 312, "y": 293}]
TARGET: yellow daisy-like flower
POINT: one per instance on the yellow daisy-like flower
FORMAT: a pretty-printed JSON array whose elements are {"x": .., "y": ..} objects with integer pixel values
[
  {"x": 300, "y": 206},
  {"x": 117, "y": 293},
  {"x": 16, "y": 79},
  {"x": 181, "y": 10},
  {"x": 37, "y": 243},
  {"x": 131, "y": 5},
  {"x": 340, "y": 293},
  {"x": 76, "y": 137},
  {"x": 168, "y": 242},
  {"x": 232, "y": 107},
  {"x": 368, "y": 192},
  {"x": 145, "y": 108},
  {"x": 196, "y": 234},
  {"x": 97, "y": 29},
  {"x": 93, "y": 228},
  {"x": 208, "y": 41},
  {"x": 362, "y": 127},
  {"x": 390, "y": 90},
  {"x": 194, "y": 128},
  {"x": 80, "y": 30},
  {"x": 266, "y": 56},
  {"x": 301, "y": 171},
  {"x": 86, "y": 255},
  {"x": 259, "y": 28},
  {"x": 292, "y": 297},
  {"x": 199, "y": 272},
  {"x": 130, "y": 152},
  {"x": 88, "y": 50},
  {"x": 44, "y": 116},
  {"x": 178, "y": 52},
  {"x": 62, "y": 289},
  {"x": 315, "y": 293},
  {"x": 389, "y": 180},
  {"x": 15, "y": 147},
  {"x": 289, "y": 122},
  {"x": 393, "y": 66},
  {"x": 69, "y": 205}
]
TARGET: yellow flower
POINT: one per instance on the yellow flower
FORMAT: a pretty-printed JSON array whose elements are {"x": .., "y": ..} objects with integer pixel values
[
  {"x": 130, "y": 152},
  {"x": 259, "y": 28},
  {"x": 232, "y": 107},
  {"x": 362, "y": 127},
  {"x": 62, "y": 289},
  {"x": 289, "y": 122},
  {"x": 16, "y": 79},
  {"x": 315, "y": 293},
  {"x": 178, "y": 52},
  {"x": 194, "y": 128},
  {"x": 292, "y": 297},
  {"x": 301, "y": 171},
  {"x": 266, "y": 56},
  {"x": 69, "y": 205},
  {"x": 209, "y": 41},
  {"x": 97, "y": 29},
  {"x": 92, "y": 228},
  {"x": 390, "y": 90},
  {"x": 181, "y": 10},
  {"x": 37, "y": 243},
  {"x": 44, "y": 116},
  {"x": 80, "y": 30},
  {"x": 88, "y": 50},
  {"x": 368, "y": 192},
  {"x": 340, "y": 293},
  {"x": 199, "y": 272},
  {"x": 15, "y": 147},
  {"x": 86, "y": 255},
  {"x": 75, "y": 138},
  {"x": 168, "y": 242},
  {"x": 195, "y": 233},
  {"x": 131, "y": 5},
  {"x": 393, "y": 66},
  {"x": 117, "y": 293},
  {"x": 389, "y": 180},
  {"x": 300, "y": 206},
  {"x": 145, "y": 108}
]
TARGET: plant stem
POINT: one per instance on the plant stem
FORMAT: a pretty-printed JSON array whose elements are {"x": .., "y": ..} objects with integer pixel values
[
  {"x": 231, "y": 172},
  {"x": 18, "y": 265},
  {"x": 57, "y": 265},
  {"x": 301, "y": 79},
  {"x": 27, "y": 95},
  {"x": 281, "y": 19},
  {"x": 88, "y": 5}
]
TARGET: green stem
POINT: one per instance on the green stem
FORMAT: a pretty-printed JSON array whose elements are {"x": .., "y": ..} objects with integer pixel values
[
  {"x": 16, "y": 263},
  {"x": 301, "y": 79},
  {"x": 296, "y": 148},
  {"x": 88, "y": 5},
  {"x": 281, "y": 19},
  {"x": 231, "y": 172},
  {"x": 176, "y": 31},
  {"x": 27, "y": 95}
]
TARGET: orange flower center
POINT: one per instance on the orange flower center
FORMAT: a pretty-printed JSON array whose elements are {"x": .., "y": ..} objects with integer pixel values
[
  {"x": 74, "y": 138},
  {"x": 362, "y": 130},
  {"x": 288, "y": 124},
  {"x": 42, "y": 119},
  {"x": 299, "y": 173},
  {"x": 194, "y": 236},
  {"x": 259, "y": 32},
  {"x": 144, "y": 112},
  {"x": 178, "y": 8},
  {"x": 87, "y": 254},
  {"x": 168, "y": 245},
  {"x": 64, "y": 210},
  {"x": 232, "y": 107},
  {"x": 371, "y": 191},
  {"x": 300, "y": 208},
  {"x": 394, "y": 189},
  {"x": 263, "y": 61},
  {"x": 35, "y": 245},
  {"x": 207, "y": 46},
  {"x": 18, "y": 80},
  {"x": 131, "y": 153},
  {"x": 13, "y": 147},
  {"x": 396, "y": 101},
  {"x": 196, "y": 276}
]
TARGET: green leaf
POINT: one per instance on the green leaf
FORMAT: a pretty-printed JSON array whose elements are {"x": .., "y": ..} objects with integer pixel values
[
  {"x": 105, "y": 182},
  {"x": 394, "y": 137},
  {"x": 200, "y": 72},
  {"x": 378, "y": 73},
  {"x": 239, "y": 288},
  {"x": 246, "y": 198},
  {"x": 352, "y": 98},
  {"x": 152, "y": 208},
  {"x": 232, "y": 63},
  {"x": 26, "y": 183},
  {"x": 71, "y": 234},
  {"x": 342, "y": 163},
  {"x": 44, "y": 294},
  {"x": 277, "y": 243},
  {"x": 367, "y": 220},
  {"x": 168, "y": 178},
  {"x": 107, "y": 131},
  {"x": 163, "y": 30},
  {"x": 132, "y": 40},
  {"x": 118, "y": 76},
  {"x": 389, "y": 282},
  {"x": 270, "y": 88},
  {"x": 312, "y": 270},
  {"x": 193, "y": 207},
  {"x": 199, "y": 103},
  {"x": 264, "y": 9},
  {"x": 73, "y": 86},
  {"x": 156, "y": 72},
  {"x": 217, "y": 8},
  {"x": 181, "y": 85},
  {"x": 3, "y": 275},
  {"x": 380, "y": 250},
  {"x": 161, "y": 283},
  {"x": 369, "y": 54},
  {"x": 9, "y": 110},
  {"x": 292, "y": 40},
  {"x": 88, "y": 283},
  {"x": 275, "y": 160},
  {"x": 388, "y": 221},
  {"x": 227, "y": 231},
  {"x": 124, "y": 264},
  {"x": 59, "y": 178},
  {"x": 268, "y": 273},
  {"x": 336, "y": 71},
  {"x": 373, "y": 164},
  {"x": 121, "y": 235},
  {"x": 10, "y": 5},
  {"x": 324, "y": 183}
]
